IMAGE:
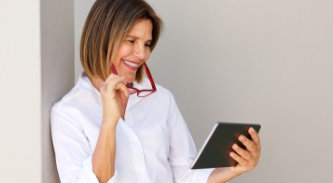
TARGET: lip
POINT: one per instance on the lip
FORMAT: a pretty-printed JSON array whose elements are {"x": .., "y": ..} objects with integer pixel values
[{"x": 129, "y": 66}]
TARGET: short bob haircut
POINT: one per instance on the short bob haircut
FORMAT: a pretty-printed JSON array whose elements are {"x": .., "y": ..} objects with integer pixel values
[{"x": 106, "y": 27}]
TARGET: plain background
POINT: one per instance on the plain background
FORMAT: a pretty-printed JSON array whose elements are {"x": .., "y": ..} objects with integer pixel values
[
  {"x": 259, "y": 61},
  {"x": 57, "y": 48},
  {"x": 37, "y": 69},
  {"x": 20, "y": 92},
  {"x": 263, "y": 61}
]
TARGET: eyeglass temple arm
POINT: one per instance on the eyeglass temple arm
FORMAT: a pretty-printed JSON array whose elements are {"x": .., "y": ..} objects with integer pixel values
[
  {"x": 113, "y": 69},
  {"x": 150, "y": 77}
]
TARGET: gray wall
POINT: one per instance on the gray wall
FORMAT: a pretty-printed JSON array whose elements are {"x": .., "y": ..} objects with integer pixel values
[
  {"x": 57, "y": 36},
  {"x": 81, "y": 10},
  {"x": 253, "y": 61}
]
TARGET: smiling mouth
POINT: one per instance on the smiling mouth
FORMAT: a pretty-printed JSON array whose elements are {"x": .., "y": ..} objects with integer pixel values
[{"x": 131, "y": 65}]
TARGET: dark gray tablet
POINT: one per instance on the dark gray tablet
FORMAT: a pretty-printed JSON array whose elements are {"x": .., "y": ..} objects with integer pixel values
[{"x": 215, "y": 151}]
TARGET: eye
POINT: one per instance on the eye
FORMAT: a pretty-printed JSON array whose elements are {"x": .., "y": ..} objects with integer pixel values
[
  {"x": 131, "y": 41},
  {"x": 148, "y": 44}
]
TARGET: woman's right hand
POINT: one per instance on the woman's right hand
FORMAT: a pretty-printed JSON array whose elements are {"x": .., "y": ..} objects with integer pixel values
[{"x": 114, "y": 95}]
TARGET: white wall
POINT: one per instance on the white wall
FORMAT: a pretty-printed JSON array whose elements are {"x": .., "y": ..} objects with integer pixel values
[
  {"x": 253, "y": 61},
  {"x": 37, "y": 68},
  {"x": 20, "y": 101}
]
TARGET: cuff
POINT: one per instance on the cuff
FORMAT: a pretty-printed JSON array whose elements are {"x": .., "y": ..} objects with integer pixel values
[
  {"x": 88, "y": 175},
  {"x": 202, "y": 175}
]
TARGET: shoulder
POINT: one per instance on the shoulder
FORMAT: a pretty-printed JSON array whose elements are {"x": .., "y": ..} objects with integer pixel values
[
  {"x": 164, "y": 93},
  {"x": 164, "y": 97},
  {"x": 65, "y": 109},
  {"x": 68, "y": 102},
  {"x": 71, "y": 107}
]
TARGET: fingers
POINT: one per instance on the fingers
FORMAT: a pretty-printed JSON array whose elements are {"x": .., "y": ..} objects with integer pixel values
[
  {"x": 247, "y": 158},
  {"x": 114, "y": 83},
  {"x": 250, "y": 145},
  {"x": 238, "y": 159},
  {"x": 122, "y": 88},
  {"x": 255, "y": 137},
  {"x": 242, "y": 152},
  {"x": 112, "y": 77}
]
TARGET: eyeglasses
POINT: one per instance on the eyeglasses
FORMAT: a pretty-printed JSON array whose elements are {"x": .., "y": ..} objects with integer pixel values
[{"x": 132, "y": 90}]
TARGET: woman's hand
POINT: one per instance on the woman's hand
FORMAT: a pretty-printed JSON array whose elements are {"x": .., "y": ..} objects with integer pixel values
[
  {"x": 114, "y": 97},
  {"x": 247, "y": 158}
]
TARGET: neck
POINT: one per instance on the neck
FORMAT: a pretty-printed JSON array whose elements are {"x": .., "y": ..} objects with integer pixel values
[{"x": 97, "y": 82}]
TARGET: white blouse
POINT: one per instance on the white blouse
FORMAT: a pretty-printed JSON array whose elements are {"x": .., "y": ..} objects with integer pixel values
[{"x": 153, "y": 142}]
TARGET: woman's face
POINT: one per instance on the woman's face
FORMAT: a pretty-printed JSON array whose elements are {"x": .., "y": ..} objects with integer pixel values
[{"x": 135, "y": 50}]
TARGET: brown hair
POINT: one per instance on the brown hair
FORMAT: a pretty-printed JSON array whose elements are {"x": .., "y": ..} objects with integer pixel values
[{"x": 107, "y": 24}]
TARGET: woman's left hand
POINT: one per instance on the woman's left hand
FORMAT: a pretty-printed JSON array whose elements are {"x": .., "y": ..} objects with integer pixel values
[{"x": 247, "y": 158}]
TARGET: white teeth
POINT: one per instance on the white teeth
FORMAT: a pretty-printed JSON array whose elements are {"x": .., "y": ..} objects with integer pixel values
[{"x": 131, "y": 64}]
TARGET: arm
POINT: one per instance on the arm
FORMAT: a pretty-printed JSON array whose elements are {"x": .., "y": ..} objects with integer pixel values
[
  {"x": 72, "y": 150},
  {"x": 182, "y": 149},
  {"x": 114, "y": 99},
  {"x": 75, "y": 161},
  {"x": 105, "y": 152},
  {"x": 182, "y": 153},
  {"x": 74, "y": 157}
]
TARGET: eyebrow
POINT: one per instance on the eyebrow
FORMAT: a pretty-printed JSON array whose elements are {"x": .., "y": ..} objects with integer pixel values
[{"x": 135, "y": 37}]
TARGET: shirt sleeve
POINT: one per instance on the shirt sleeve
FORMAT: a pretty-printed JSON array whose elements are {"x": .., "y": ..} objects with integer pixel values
[
  {"x": 72, "y": 151},
  {"x": 182, "y": 149}
]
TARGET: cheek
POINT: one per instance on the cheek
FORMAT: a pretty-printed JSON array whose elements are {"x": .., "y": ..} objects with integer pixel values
[
  {"x": 122, "y": 52},
  {"x": 147, "y": 54}
]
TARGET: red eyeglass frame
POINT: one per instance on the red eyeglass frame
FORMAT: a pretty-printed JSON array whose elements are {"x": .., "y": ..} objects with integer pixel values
[{"x": 137, "y": 91}]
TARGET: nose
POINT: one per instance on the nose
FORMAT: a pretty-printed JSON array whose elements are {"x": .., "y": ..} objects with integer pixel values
[{"x": 139, "y": 51}]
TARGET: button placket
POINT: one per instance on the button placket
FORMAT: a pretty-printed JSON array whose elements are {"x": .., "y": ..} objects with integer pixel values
[{"x": 137, "y": 151}]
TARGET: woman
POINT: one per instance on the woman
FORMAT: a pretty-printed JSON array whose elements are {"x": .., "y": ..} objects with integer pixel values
[{"x": 116, "y": 125}]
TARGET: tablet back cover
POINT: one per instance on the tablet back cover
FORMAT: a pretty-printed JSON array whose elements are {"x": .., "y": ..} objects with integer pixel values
[{"x": 215, "y": 152}]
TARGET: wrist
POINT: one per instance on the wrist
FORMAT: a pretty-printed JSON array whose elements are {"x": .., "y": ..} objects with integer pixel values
[
  {"x": 222, "y": 175},
  {"x": 110, "y": 120},
  {"x": 110, "y": 113}
]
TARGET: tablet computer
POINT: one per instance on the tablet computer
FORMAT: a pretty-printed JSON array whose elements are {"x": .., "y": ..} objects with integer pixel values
[{"x": 215, "y": 151}]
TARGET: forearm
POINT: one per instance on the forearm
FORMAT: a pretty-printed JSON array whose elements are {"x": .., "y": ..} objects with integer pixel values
[
  {"x": 105, "y": 152},
  {"x": 221, "y": 175}
]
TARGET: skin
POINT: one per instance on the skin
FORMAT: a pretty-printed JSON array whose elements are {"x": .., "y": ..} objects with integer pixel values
[{"x": 114, "y": 94}]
